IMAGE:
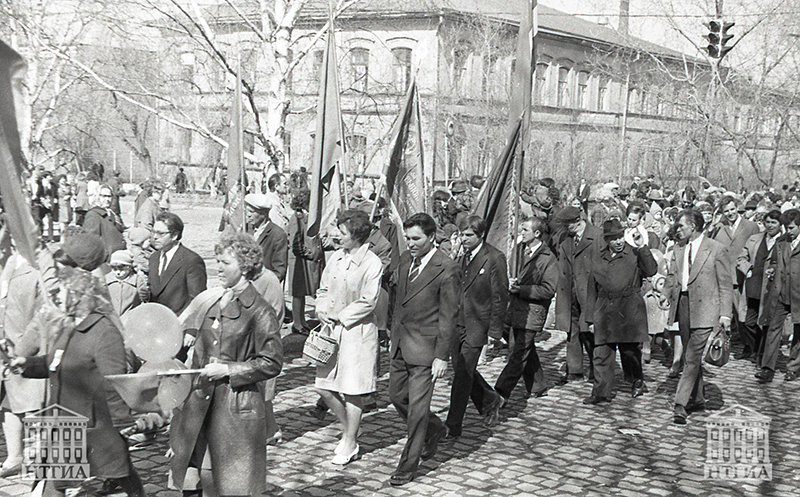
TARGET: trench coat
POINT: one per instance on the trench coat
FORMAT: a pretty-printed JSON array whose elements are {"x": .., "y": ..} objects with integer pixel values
[
  {"x": 227, "y": 416},
  {"x": 19, "y": 299},
  {"x": 91, "y": 351},
  {"x": 349, "y": 290},
  {"x": 615, "y": 304}
]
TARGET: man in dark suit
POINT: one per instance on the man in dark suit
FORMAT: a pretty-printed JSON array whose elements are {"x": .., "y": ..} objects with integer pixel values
[
  {"x": 177, "y": 275},
  {"x": 574, "y": 261},
  {"x": 484, "y": 297},
  {"x": 272, "y": 239},
  {"x": 733, "y": 236},
  {"x": 423, "y": 330},
  {"x": 700, "y": 299}
]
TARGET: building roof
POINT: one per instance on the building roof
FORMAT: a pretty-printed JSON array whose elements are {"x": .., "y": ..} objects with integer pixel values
[{"x": 551, "y": 21}]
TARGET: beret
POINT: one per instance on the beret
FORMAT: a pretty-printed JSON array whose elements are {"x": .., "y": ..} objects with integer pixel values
[{"x": 86, "y": 249}]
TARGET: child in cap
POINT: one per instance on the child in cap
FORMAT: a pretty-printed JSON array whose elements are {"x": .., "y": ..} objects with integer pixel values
[{"x": 123, "y": 282}]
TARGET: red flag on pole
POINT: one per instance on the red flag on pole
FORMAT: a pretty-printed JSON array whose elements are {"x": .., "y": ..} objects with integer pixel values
[
  {"x": 403, "y": 176},
  {"x": 18, "y": 214},
  {"x": 328, "y": 145},
  {"x": 233, "y": 215}
]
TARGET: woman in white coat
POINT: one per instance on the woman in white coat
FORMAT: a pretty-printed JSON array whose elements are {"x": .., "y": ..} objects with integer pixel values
[{"x": 346, "y": 301}]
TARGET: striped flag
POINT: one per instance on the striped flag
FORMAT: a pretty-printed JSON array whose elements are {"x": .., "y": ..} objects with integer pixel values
[
  {"x": 233, "y": 215},
  {"x": 403, "y": 176},
  {"x": 18, "y": 214},
  {"x": 328, "y": 145}
]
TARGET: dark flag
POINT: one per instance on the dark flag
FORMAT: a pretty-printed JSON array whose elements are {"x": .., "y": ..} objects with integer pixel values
[
  {"x": 328, "y": 145},
  {"x": 233, "y": 215},
  {"x": 18, "y": 215}
]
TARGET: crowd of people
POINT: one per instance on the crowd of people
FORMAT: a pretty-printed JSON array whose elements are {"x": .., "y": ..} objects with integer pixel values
[{"x": 616, "y": 269}]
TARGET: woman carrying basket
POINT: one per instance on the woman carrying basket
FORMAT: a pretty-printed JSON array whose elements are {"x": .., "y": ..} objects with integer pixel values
[{"x": 346, "y": 301}]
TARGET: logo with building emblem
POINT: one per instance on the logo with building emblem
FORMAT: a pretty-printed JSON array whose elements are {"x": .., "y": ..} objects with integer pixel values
[
  {"x": 737, "y": 445},
  {"x": 55, "y": 445}
]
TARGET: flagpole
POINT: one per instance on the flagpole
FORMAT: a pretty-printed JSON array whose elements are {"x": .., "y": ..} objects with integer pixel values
[
  {"x": 378, "y": 192},
  {"x": 240, "y": 140}
]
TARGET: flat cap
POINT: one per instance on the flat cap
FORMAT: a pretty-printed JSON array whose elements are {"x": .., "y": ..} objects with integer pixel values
[
  {"x": 568, "y": 215},
  {"x": 258, "y": 201},
  {"x": 86, "y": 249}
]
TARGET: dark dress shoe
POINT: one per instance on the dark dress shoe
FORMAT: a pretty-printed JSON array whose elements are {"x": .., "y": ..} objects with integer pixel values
[
  {"x": 674, "y": 373},
  {"x": 452, "y": 434},
  {"x": 594, "y": 400},
  {"x": 680, "y": 415},
  {"x": 790, "y": 376},
  {"x": 492, "y": 417},
  {"x": 400, "y": 479},
  {"x": 695, "y": 407},
  {"x": 639, "y": 388},
  {"x": 566, "y": 378},
  {"x": 109, "y": 487},
  {"x": 432, "y": 445},
  {"x": 319, "y": 411},
  {"x": 765, "y": 375},
  {"x": 540, "y": 393},
  {"x": 744, "y": 354}
]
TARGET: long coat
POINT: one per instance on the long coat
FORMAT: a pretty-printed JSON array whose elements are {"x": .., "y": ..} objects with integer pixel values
[
  {"x": 274, "y": 249},
  {"x": 615, "y": 304},
  {"x": 574, "y": 264},
  {"x": 91, "y": 351},
  {"x": 425, "y": 310},
  {"x": 537, "y": 281},
  {"x": 710, "y": 286},
  {"x": 106, "y": 225},
  {"x": 19, "y": 299},
  {"x": 349, "y": 290},
  {"x": 227, "y": 416},
  {"x": 484, "y": 296},
  {"x": 734, "y": 243},
  {"x": 309, "y": 259}
]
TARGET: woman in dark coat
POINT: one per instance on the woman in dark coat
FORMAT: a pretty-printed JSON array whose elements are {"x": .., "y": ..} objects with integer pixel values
[
  {"x": 309, "y": 260},
  {"x": 75, "y": 345},
  {"x": 617, "y": 310},
  {"x": 238, "y": 347}
]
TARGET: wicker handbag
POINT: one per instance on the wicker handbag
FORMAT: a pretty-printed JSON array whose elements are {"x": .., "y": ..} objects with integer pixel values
[{"x": 320, "y": 346}]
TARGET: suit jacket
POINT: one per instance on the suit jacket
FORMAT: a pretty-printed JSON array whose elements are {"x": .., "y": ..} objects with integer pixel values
[
  {"x": 484, "y": 296},
  {"x": 710, "y": 284},
  {"x": 275, "y": 249},
  {"x": 786, "y": 280},
  {"x": 537, "y": 280},
  {"x": 575, "y": 265},
  {"x": 744, "y": 265},
  {"x": 183, "y": 279},
  {"x": 425, "y": 311},
  {"x": 734, "y": 242}
]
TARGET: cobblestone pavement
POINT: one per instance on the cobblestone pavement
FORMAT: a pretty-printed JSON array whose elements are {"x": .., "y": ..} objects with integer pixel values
[{"x": 545, "y": 446}]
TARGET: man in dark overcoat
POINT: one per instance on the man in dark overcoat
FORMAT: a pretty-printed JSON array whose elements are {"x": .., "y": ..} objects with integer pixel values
[
  {"x": 273, "y": 240},
  {"x": 616, "y": 309},
  {"x": 423, "y": 331},
  {"x": 484, "y": 299},
  {"x": 574, "y": 258}
]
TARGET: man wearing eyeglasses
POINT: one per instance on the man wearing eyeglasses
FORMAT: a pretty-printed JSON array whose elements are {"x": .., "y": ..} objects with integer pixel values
[{"x": 103, "y": 222}]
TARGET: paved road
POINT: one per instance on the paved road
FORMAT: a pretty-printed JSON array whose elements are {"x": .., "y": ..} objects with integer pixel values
[{"x": 548, "y": 446}]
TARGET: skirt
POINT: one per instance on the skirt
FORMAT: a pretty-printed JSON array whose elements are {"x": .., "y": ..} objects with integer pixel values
[{"x": 354, "y": 368}]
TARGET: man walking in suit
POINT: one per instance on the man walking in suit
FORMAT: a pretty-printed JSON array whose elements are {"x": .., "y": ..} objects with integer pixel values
[
  {"x": 423, "y": 330},
  {"x": 753, "y": 266},
  {"x": 784, "y": 299},
  {"x": 700, "y": 289},
  {"x": 531, "y": 293},
  {"x": 272, "y": 239},
  {"x": 574, "y": 258},
  {"x": 733, "y": 235},
  {"x": 484, "y": 298},
  {"x": 176, "y": 274}
]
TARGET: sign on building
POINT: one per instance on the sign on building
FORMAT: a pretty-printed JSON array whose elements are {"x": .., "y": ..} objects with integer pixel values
[
  {"x": 737, "y": 445},
  {"x": 55, "y": 445}
]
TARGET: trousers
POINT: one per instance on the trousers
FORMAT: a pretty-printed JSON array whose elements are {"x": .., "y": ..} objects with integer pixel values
[
  {"x": 690, "y": 386},
  {"x": 523, "y": 362},
  {"x": 467, "y": 383},
  {"x": 605, "y": 355}
]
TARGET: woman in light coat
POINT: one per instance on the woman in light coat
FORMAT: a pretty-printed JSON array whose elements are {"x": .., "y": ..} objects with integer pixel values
[{"x": 346, "y": 301}]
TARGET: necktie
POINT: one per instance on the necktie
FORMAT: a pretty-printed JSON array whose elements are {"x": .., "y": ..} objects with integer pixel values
[
  {"x": 577, "y": 240},
  {"x": 163, "y": 264},
  {"x": 414, "y": 269},
  {"x": 690, "y": 255}
]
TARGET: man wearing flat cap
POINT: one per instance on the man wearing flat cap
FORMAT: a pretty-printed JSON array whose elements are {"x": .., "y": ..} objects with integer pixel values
[
  {"x": 272, "y": 239},
  {"x": 574, "y": 260}
]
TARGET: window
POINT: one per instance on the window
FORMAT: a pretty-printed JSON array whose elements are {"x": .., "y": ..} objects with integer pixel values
[
  {"x": 357, "y": 147},
  {"x": 644, "y": 102},
  {"x": 583, "y": 90},
  {"x": 489, "y": 62},
  {"x": 187, "y": 67},
  {"x": 541, "y": 82},
  {"x": 249, "y": 64},
  {"x": 460, "y": 58},
  {"x": 186, "y": 144},
  {"x": 316, "y": 67},
  {"x": 359, "y": 67},
  {"x": 563, "y": 87},
  {"x": 401, "y": 66},
  {"x": 602, "y": 93},
  {"x": 633, "y": 100}
]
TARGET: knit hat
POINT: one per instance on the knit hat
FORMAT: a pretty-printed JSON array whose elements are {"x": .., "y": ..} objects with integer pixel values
[
  {"x": 121, "y": 258},
  {"x": 86, "y": 249}
]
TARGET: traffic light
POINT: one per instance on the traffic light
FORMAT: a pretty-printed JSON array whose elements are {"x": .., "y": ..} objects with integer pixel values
[{"x": 718, "y": 37}]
